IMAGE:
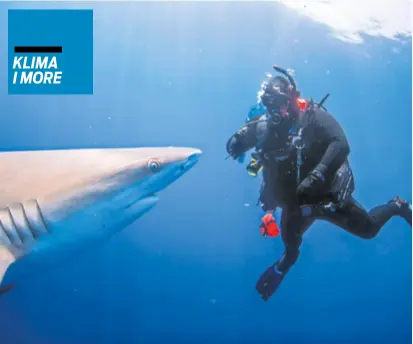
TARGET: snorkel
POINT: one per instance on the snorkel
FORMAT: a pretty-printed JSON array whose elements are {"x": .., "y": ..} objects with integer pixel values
[{"x": 290, "y": 79}]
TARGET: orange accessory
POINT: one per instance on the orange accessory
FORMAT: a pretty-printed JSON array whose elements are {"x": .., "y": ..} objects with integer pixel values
[
  {"x": 269, "y": 226},
  {"x": 302, "y": 104}
]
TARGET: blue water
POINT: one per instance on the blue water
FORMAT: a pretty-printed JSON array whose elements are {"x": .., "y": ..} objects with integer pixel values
[{"x": 186, "y": 74}]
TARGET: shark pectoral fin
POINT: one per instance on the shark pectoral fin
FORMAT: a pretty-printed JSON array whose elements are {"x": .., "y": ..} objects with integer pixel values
[
  {"x": 8, "y": 255},
  {"x": 6, "y": 288}
]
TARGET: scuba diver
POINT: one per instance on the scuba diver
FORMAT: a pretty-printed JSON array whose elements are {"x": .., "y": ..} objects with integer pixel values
[{"x": 303, "y": 154}]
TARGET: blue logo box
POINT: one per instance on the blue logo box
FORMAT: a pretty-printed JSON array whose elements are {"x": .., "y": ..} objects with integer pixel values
[{"x": 50, "y": 51}]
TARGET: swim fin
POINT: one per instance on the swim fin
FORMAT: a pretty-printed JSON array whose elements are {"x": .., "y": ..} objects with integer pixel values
[{"x": 269, "y": 281}]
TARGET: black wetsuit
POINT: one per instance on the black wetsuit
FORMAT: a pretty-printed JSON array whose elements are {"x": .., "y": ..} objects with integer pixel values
[{"x": 325, "y": 145}]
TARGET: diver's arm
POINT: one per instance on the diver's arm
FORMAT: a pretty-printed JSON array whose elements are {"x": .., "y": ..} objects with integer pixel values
[
  {"x": 328, "y": 129},
  {"x": 243, "y": 139}
]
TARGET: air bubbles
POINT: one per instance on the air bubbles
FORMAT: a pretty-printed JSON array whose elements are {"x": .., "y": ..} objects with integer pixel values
[{"x": 291, "y": 71}]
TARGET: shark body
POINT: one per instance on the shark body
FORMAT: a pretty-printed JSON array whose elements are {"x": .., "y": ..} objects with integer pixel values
[{"x": 55, "y": 203}]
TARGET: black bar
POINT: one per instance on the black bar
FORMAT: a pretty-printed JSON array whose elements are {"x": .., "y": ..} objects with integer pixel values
[{"x": 38, "y": 49}]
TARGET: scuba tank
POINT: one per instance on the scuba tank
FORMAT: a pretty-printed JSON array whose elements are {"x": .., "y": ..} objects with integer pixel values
[{"x": 255, "y": 110}]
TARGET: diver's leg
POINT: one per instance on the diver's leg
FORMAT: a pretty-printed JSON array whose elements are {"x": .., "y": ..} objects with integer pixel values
[
  {"x": 356, "y": 220},
  {"x": 398, "y": 206},
  {"x": 267, "y": 199},
  {"x": 293, "y": 226}
]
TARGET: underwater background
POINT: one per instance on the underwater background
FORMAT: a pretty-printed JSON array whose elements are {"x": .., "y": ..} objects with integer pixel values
[{"x": 185, "y": 74}]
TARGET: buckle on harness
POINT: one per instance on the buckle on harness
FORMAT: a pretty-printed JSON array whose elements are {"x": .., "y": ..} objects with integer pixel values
[{"x": 319, "y": 209}]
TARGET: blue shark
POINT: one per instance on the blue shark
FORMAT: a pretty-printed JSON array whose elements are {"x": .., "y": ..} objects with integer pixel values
[{"x": 56, "y": 203}]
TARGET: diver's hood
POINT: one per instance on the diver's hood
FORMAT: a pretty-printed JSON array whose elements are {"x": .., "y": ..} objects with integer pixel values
[
  {"x": 278, "y": 92},
  {"x": 275, "y": 93}
]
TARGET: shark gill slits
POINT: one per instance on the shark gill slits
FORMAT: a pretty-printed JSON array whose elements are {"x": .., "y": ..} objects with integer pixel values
[
  {"x": 9, "y": 226},
  {"x": 21, "y": 223},
  {"x": 35, "y": 218},
  {"x": 5, "y": 240},
  {"x": 154, "y": 165}
]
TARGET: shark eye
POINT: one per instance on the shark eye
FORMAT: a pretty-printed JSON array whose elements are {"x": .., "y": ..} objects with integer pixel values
[{"x": 154, "y": 165}]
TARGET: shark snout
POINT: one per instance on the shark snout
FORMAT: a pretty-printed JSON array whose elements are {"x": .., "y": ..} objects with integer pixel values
[{"x": 192, "y": 160}]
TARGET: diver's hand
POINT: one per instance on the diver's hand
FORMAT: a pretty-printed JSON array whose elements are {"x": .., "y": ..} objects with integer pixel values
[
  {"x": 311, "y": 187},
  {"x": 235, "y": 146},
  {"x": 269, "y": 282}
]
